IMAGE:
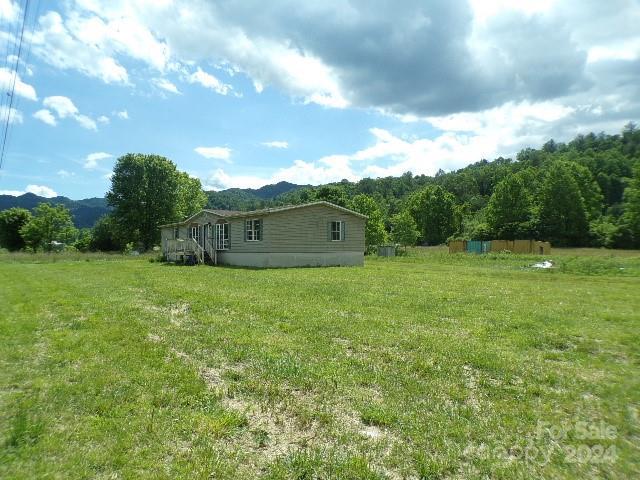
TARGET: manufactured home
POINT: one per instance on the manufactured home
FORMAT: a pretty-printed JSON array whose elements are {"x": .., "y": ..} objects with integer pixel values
[{"x": 312, "y": 234}]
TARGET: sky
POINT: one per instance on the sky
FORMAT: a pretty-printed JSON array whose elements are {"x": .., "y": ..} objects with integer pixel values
[{"x": 246, "y": 93}]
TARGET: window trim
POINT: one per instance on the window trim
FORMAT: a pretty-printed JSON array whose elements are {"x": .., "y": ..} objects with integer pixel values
[
  {"x": 195, "y": 233},
  {"x": 222, "y": 242},
  {"x": 176, "y": 233},
  {"x": 250, "y": 226},
  {"x": 339, "y": 231}
]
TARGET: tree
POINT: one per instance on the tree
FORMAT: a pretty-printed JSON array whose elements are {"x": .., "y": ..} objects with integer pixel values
[
  {"x": 332, "y": 194},
  {"x": 49, "y": 223},
  {"x": 433, "y": 209},
  {"x": 509, "y": 209},
  {"x": 191, "y": 198},
  {"x": 104, "y": 235},
  {"x": 562, "y": 216},
  {"x": 631, "y": 215},
  {"x": 11, "y": 221},
  {"x": 374, "y": 233},
  {"x": 83, "y": 242},
  {"x": 589, "y": 189},
  {"x": 147, "y": 191},
  {"x": 404, "y": 229}
]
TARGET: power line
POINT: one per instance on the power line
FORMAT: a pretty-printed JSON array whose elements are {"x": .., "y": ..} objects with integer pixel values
[
  {"x": 25, "y": 61},
  {"x": 13, "y": 83},
  {"x": 12, "y": 44}
]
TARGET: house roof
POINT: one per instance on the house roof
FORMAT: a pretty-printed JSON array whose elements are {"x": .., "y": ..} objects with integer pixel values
[{"x": 264, "y": 211}]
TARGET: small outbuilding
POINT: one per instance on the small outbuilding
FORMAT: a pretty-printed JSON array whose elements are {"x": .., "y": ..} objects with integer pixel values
[{"x": 312, "y": 234}]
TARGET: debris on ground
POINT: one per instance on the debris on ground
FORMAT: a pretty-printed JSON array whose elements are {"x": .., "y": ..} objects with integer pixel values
[{"x": 545, "y": 264}]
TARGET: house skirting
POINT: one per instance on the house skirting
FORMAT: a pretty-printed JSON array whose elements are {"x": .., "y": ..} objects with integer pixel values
[{"x": 320, "y": 259}]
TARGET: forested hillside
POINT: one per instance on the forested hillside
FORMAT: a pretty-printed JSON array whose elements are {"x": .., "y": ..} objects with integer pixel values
[
  {"x": 85, "y": 212},
  {"x": 584, "y": 192},
  {"x": 249, "y": 198}
]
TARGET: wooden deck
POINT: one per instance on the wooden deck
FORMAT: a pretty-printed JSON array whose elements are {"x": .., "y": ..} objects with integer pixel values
[{"x": 182, "y": 249}]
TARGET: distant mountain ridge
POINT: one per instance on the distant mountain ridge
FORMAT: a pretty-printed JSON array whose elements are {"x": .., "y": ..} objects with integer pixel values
[
  {"x": 86, "y": 211},
  {"x": 249, "y": 198}
]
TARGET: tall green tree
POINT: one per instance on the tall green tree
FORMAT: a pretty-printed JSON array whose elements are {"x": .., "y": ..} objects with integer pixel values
[
  {"x": 509, "y": 209},
  {"x": 434, "y": 211},
  {"x": 11, "y": 221},
  {"x": 562, "y": 214},
  {"x": 49, "y": 223},
  {"x": 105, "y": 236},
  {"x": 374, "y": 233},
  {"x": 404, "y": 230},
  {"x": 589, "y": 189},
  {"x": 147, "y": 191},
  {"x": 191, "y": 197},
  {"x": 631, "y": 216},
  {"x": 332, "y": 194}
]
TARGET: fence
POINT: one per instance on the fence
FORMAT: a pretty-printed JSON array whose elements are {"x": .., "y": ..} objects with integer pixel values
[{"x": 513, "y": 246}]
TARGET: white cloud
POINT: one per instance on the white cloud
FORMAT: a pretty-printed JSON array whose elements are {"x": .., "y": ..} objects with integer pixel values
[
  {"x": 103, "y": 119},
  {"x": 122, "y": 114},
  {"x": 65, "y": 173},
  {"x": 9, "y": 11},
  {"x": 86, "y": 122},
  {"x": 80, "y": 43},
  {"x": 218, "y": 153},
  {"x": 15, "y": 116},
  {"x": 22, "y": 89},
  {"x": 276, "y": 144},
  {"x": 91, "y": 161},
  {"x": 464, "y": 138},
  {"x": 64, "y": 108},
  {"x": 209, "y": 81},
  {"x": 45, "y": 116},
  {"x": 41, "y": 190},
  {"x": 166, "y": 85}
]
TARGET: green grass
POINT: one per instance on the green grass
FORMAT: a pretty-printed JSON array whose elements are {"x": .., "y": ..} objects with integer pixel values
[{"x": 425, "y": 366}]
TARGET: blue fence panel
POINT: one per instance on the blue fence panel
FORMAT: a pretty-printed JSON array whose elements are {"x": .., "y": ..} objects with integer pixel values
[
  {"x": 478, "y": 246},
  {"x": 474, "y": 246}
]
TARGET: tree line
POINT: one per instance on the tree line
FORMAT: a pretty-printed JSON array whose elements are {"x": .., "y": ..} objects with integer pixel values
[
  {"x": 146, "y": 191},
  {"x": 582, "y": 193}
]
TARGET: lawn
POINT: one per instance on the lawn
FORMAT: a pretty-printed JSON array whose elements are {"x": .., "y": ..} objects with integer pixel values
[{"x": 425, "y": 366}]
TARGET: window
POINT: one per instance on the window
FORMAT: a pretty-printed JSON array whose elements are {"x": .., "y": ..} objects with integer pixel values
[
  {"x": 195, "y": 233},
  {"x": 336, "y": 232},
  {"x": 176, "y": 233},
  {"x": 222, "y": 236},
  {"x": 253, "y": 230}
]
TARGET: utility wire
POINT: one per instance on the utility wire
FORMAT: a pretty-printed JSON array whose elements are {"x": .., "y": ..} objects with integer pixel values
[
  {"x": 12, "y": 34},
  {"x": 27, "y": 56},
  {"x": 13, "y": 83}
]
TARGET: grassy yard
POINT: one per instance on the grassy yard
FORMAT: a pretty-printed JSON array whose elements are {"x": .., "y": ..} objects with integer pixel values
[{"x": 425, "y": 366}]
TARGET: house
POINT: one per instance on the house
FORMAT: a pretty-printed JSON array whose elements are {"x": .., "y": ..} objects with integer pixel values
[{"x": 312, "y": 234}]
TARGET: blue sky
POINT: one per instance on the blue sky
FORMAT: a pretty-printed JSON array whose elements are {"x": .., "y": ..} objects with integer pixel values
[{"x": 241, "y": 95}]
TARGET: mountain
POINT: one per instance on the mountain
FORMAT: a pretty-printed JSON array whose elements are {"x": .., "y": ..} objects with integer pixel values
[
  {"x": 269, "y": 192},
  {"x": 85, "y": 212},
  {"x": 249, "y": 198}
]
